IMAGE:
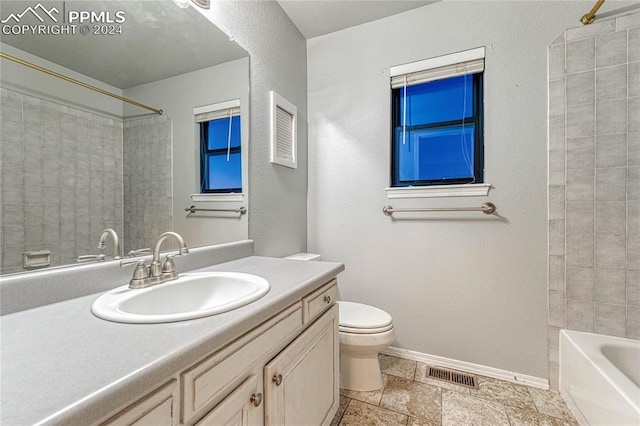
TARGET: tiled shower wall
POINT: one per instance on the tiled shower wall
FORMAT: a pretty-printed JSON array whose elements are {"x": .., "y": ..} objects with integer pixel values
[
  {"x": 61, "y": 179},
  {"x": 594, "y": 181},
  {"x": 147, "y": 181}
]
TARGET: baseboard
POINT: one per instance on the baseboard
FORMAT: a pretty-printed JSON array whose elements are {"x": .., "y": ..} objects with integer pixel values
[{"x": 469, "y": 367}]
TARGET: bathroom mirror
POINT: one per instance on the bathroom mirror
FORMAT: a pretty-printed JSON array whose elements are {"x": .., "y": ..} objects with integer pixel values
[{"x": 75, "y": 161}]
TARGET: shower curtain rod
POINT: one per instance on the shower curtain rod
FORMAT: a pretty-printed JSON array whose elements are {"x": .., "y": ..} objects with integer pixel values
[
  {"x": 591, "y": 16},
  {"x": 78, "y": 82}
]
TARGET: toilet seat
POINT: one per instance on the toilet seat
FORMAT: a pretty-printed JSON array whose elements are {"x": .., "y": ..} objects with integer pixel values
[
  {"x": 357, "y": 318},
  {"x": 364, "y": 330}
]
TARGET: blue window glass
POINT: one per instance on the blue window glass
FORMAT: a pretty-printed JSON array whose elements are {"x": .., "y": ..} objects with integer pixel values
[
  {"x": 220, "y": 155},
  {"x": 437, "y": 136}
]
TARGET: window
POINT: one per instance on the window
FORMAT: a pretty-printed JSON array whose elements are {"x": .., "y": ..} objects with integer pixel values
[
  {"x": 437, "y": 136},
  {"x": 220, "y": 148}
]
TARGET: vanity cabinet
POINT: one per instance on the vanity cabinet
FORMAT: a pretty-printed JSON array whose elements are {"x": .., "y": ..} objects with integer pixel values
[
  {"x": 208, "y": 381},
  {"x": 159, "y": 408},
  {"x": 301, "y": 382},
  {"x": 283, "y": 372}
]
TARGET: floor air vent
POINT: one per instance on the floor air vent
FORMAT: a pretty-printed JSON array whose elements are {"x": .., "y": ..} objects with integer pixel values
[{"x": 453, "y": 377}]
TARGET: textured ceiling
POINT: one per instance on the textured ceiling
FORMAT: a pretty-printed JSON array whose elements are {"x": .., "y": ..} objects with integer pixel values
[
  {"x": 318, "y": 17},
  {"x": 158, "y": 40}
]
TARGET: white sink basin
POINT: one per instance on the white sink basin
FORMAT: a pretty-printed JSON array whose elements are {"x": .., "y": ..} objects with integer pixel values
[{"x": 193, "y": 295}]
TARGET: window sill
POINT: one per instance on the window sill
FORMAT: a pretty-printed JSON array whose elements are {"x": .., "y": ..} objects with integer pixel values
[
  {"x": 469, "y": 190},
  {"x": 217, "y": 197}
]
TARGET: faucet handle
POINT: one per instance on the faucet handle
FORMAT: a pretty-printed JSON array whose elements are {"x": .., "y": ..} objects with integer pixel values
[
  {"x": 140, "y": 273},
  {"x": 88, "y": 257},
  {"x": 169, "y": 266},
  {"x": 141, "y": 270},
  {"x": 134, "y": 253},
  {"x": 128, "y": 262}
]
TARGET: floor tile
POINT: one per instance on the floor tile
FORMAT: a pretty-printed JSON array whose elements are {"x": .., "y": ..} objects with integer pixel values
[
  {"x": 520, "y": 417},
  {"x": 414, "y": 421},
  {"x": 397, "y": 366},
  {"x": 551, "y": 403},
  {"x": 360, "y": 413},
  {"x": 412, "y": 398},
  {"x": 504, "y": 392},
  {"x": 372, "y": 397},
  {"x": 421, "y": 376},
  {"x": 344, "y": 401},
  {"x": 459, "y": 409},
  {"x": 409, "y": 398}
]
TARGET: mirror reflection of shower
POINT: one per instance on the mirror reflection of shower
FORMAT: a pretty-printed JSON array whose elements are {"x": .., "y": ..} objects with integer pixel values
[
  {"x": 75, "y": 162},
  {"x": 70, "y": 174}
]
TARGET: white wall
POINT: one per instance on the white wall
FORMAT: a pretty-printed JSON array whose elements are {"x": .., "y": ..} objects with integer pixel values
[
  {"x": 458, "y": 285},
  {"x": 177, "y": 96},
  {"x": 278, "y": 205}
]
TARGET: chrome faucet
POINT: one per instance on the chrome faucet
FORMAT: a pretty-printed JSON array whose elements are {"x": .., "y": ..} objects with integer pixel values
[
  {"x": 156, "y": 273},
  {"x": 102, "y": 243},
  {"x": 155, "y": 270}
]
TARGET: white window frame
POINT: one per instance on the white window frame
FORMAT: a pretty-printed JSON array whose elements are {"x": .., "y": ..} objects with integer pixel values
[
  {"x": 459, "y": 63},
  {"x": 213, "y": 109}
]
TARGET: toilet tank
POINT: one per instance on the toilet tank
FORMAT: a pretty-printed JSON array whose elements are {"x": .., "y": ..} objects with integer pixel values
[{"x": 304, "y": 256}]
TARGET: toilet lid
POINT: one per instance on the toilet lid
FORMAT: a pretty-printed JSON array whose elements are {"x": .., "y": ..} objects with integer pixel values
[
  {"x": 356, "y": 316},
  {"x": 351, "y": 330}
]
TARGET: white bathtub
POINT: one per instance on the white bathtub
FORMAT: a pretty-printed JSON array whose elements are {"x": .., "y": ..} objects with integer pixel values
[{"x": 600, "y": 378}]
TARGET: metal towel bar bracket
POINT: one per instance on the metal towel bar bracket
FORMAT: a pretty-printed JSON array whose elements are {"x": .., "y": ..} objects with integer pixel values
[
  {"x": 589, "y": 17},
  {"x": 193, "y": 209},
  {"x": 486, "y": 208}
]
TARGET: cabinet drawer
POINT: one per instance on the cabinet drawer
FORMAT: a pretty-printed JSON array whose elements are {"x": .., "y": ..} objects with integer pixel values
[
  {"x": 160, "y": 408},
  {"x": 318, "y": 301},
  {"x": 210, "y": 379}
]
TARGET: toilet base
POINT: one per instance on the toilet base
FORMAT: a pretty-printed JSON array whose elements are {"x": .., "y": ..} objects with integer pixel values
[{"x": 360, "y": 372}]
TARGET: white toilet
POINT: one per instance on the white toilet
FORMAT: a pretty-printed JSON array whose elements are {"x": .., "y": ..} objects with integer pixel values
[{"x": 364, "y": 331}]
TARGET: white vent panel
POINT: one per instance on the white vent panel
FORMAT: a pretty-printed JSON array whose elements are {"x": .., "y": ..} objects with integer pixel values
[{"x": 283, "y": 131}]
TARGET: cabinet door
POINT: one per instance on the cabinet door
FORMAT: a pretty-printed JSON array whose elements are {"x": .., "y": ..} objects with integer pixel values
[
  {"x": 211, "y": 379},
  {"x": 243, "y": 407},
  {"x": 160, "y": 408},
  {"x": 302, "y": 382}
]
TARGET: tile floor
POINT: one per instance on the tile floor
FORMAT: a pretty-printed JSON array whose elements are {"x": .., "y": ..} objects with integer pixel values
[{"x": 410, "y": 398}]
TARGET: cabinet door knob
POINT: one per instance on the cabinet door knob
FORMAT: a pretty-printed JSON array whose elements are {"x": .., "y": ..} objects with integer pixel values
[
  {"x": 256, "y": 399},
  {"x": 327, "y": 299},
  {"x": 277, "y": 379}
]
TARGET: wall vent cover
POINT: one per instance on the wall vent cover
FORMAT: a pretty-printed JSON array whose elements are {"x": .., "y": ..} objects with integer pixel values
[
  {"x": 284, "y": 119},
  {"x": 453, "y": 377}
]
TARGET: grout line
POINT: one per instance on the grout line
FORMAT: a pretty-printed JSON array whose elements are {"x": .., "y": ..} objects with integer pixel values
[
  {"x": 441, "y": 409},
  {"x": 534, "y": 402},
  {"x": 387, "y": 409},
  {"x": 345, "y": 411},
  {"x": 384, "y": 388}
]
